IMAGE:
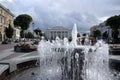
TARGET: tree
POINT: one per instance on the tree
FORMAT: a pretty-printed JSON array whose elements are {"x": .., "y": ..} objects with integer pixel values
[
  {"x": 23, "y": 21},
  {"x": 29, "y": 35},
  {"x": 114, "y": 23},
  {"x": 22, "y": 34},
  {"x": 38, "y": 32},
  {"x": 84, "y": 34},
  {"x": 78, "y": 34},
  {"x": 96, "y": 33},
  {"x": 105, "y": 35},
  {"x": 9, "y": 31}
]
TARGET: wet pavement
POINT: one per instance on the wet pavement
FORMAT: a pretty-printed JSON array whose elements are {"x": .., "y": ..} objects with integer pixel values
[{"x": 25, "y": 75}]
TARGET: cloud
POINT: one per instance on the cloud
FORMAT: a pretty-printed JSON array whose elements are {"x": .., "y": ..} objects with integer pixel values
[
  {"x": 10, "y": 0},
  {"x": 102, "y": 19},
  {"x": 50, "y": 13}
]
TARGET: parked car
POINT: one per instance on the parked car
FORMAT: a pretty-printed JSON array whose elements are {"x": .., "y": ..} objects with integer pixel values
[
  {"x": 36, "y": 42},
  {"x": 17, "y": 41},
  {"x": 4, "y": 42}
]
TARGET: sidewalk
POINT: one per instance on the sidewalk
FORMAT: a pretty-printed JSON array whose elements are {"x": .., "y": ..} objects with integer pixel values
[
  {"x": 115, "y": 57},
  {"x": 6, "y": 46},
  {"x": 5, "y": 53},
  {"x": 6, "y": 50}
]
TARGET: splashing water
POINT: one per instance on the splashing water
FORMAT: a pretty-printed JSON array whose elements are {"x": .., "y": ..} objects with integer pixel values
[
  {"x": 61, "y": 60},
  {"x": 97, "y": 63},
  {"x": 74, "y": 35}
]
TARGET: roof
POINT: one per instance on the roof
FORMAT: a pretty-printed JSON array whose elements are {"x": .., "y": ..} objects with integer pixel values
[
  {"x": 7, "y": 10},
  {"x": 59, "y": 28}
]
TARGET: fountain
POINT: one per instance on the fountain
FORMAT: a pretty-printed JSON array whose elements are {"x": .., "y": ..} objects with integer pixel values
[
  {"x": 61, "y": 60},
  {"x": 74, "y": 35},
  {"x": 64, "y": 60}
]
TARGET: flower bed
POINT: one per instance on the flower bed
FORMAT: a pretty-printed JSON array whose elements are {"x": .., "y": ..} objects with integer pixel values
[{"x": 25, "y": 47}]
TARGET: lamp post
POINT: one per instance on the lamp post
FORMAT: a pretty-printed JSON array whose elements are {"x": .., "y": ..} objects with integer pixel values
[{"x": 33, "y": 25}]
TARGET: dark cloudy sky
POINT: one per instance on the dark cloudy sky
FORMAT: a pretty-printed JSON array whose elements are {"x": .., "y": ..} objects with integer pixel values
[{"x": 50, "y": 13}]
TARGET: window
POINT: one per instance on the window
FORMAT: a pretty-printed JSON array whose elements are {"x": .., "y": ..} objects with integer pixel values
[
  {"x": 0, "y": 19},
  {"x": 0, "y": 26},
  {"x": 66, "y": 34},
  {"x": 0, "y": 11},
  {"x": 55, "y": 33},
  {"x": 4, "y": 20}
]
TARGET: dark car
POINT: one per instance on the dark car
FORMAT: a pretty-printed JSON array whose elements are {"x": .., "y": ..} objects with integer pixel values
[
  {"x": 4, "y": 42},
  {"x": 7, "y": 41},
  {"x": 36, "y": 42},
  {"x": 17, "y": 41}
]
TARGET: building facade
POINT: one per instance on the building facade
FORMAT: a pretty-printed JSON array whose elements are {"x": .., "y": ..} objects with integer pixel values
[
  {"x": 103, "y": 28},
  {"x": 6, "y": 18},
  {"x": 16, "y": 33},
  {"x": 58, "y": 31}
]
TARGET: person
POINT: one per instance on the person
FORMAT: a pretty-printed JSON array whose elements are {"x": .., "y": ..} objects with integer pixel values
[
  {"x": 91, "y": 41},
  {"x": 83, "y": 41},
  {"x": 86, "y": 41},
  {"x": 33, "y": 75}
]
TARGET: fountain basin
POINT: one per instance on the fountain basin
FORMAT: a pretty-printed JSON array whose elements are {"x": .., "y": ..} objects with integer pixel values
[
  {"x": 29, "y": 60},
  {"x": 4, "y": 71},
  {"x": 15, "y": 64}
]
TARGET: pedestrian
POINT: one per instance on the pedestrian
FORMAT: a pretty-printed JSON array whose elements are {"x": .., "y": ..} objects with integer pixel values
[
  {"x": 83, "y": 41},
  {"x": 33, "y": 75}
]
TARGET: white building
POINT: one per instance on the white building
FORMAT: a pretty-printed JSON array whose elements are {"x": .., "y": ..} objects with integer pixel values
[
  {"x": 16, "y": 33},
  {"x": 58, "y": 31}
]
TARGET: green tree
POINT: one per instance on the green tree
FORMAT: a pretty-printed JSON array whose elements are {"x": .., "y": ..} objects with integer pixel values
[
  {"x": 38, "y": 32},
  {"x": 96, "y": 33},
  {"x": 84, "y": 34},
  {"x": 29, "y": 35},
  {"x": 105, "y": 35},
  {"x": 22, "y": 34},
  {"x": 78, "y": 34},
  {"x": 114, "y": 23},
  {"x": 23, "y": 21},
  {"x": 9, "y": 31}
]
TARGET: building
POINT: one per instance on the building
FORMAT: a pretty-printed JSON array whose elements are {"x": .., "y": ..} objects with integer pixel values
[
  {"x": 16, "y": 33},
  {"x": 6, "y": 18},
  {"x": 93, "y": 28},
  {"x": 102, "y": 27},
  {"x": 58, "y": 31}
]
